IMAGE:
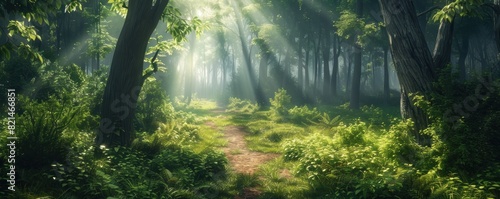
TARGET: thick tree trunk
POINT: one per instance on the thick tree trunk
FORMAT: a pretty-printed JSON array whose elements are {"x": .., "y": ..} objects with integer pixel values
[
  {"x": 412, "y": 58},
  {"x": 125, "y": 76}
]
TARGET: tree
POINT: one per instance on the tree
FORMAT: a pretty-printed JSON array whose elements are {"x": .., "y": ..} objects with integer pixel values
[
  {"x": 125, "y": 77},
  {"x": 18, "y": 37},
  {"x": 496, "y": 9},
  {"x": 415, "y": 65},
  {"x": 256, "y": 87},
  {"x": 356, "y": 75}
]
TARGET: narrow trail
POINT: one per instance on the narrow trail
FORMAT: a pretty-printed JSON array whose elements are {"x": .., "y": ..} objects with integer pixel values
[{"x": 242, "y": 159}]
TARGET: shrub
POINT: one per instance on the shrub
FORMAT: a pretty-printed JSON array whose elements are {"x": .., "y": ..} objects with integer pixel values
[
  {"x": 16, "y": 73},
  {"x": 350, "y": 135},
  {"x": 347, "y": 171},
  {"x": 463, "y": 115},
  {"x": 399, "y": 144},
  {"x": 189, "y": 168},
  {"x": 241, "y": 106},
  {"x": 153, "y": 108},
  {"x": 58, "y": 80},
  {"x": 303, "y": 115},
  {"x": 41, "y": 127},
  {"x": 293, "y": 150},
  {"x": 280, "y": 105}
]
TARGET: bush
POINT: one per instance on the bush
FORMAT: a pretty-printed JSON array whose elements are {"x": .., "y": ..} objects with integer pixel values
[
  {"x": 303, "y": 115},
  {"x": 188, "y": 168},
  {"x": 153, "y": 108},
  {"x": 350, "y": 135},
  {"x": 340, "y": 171},
  {"x": 16, "y": 73},
  {"x": 41, "y": 131},
  {"x": 241, "y": 106},
  {"x": 58, "y": 80},
  {"x": 463, "y": 115},
  {"x": 280, "y": 105}
]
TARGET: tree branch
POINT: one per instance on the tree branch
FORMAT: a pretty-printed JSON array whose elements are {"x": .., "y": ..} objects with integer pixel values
[
  {"x": 155, "y": 69},
  {"x": 428, "y": 10}
]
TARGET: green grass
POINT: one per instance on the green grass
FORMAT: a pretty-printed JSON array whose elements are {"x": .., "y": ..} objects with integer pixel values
[
  {"x": 279, "y": 181},
  {"x": 209, "y": 138}
]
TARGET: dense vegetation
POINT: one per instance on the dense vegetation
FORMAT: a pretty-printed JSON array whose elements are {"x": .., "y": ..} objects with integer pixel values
[{"x": 313, "y": 85}]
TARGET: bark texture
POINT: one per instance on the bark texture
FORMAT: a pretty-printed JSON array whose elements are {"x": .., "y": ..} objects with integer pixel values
[
  {"x": 442, "y": 48},
  {"x": 496, "y": 9},
  {"x": 411, "y": 56},
  {"x": 125, "y": 77}
]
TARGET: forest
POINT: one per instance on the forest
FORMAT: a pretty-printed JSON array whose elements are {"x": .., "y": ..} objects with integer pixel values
[{"x": 249, "y": 99}]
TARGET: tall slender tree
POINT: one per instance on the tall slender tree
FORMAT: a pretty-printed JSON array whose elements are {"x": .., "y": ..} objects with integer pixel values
[{"x": 356, "y": 74}]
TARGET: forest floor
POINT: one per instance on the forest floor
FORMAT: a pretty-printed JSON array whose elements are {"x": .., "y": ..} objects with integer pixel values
[
  {"x": 257, "y": 169},
  {"x": 241, "y": 159}
]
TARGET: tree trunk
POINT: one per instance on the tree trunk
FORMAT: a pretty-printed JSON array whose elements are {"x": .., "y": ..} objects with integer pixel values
[
  {"x": 386, "y": 76},
  {"x": 348, "y": 65},
  {"x": 188, "y": 75},
  {"x": 442, "y": 48},
  {"x": 316, "y": 64},
  {"x": 264, "y": 60},
  {"x": 326, "y": 64},
  {"x": 497, "y": 23},
  {"x": 335, "y": 69},
  {"x": 356, "y": 75},
  {"x": 356, "y": 78},
  {"x": 307, "y": 80},
  {"x": 257, "y": 89},
  {"x": 412, "y": 59},
  {"x": 300, "y": 66},
  {"x": 463, "y": 51},
  {"x": 124, "y": 82}
]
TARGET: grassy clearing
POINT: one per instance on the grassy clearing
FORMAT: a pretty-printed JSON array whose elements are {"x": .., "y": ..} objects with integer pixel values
[{"x": 342, "y": 153}]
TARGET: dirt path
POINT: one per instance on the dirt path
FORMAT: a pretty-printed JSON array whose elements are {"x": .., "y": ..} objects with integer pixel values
[{"x": 241, "y": 159}]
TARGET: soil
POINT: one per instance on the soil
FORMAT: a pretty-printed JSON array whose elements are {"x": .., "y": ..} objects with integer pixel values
[{"x": 241, "y": 159}]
